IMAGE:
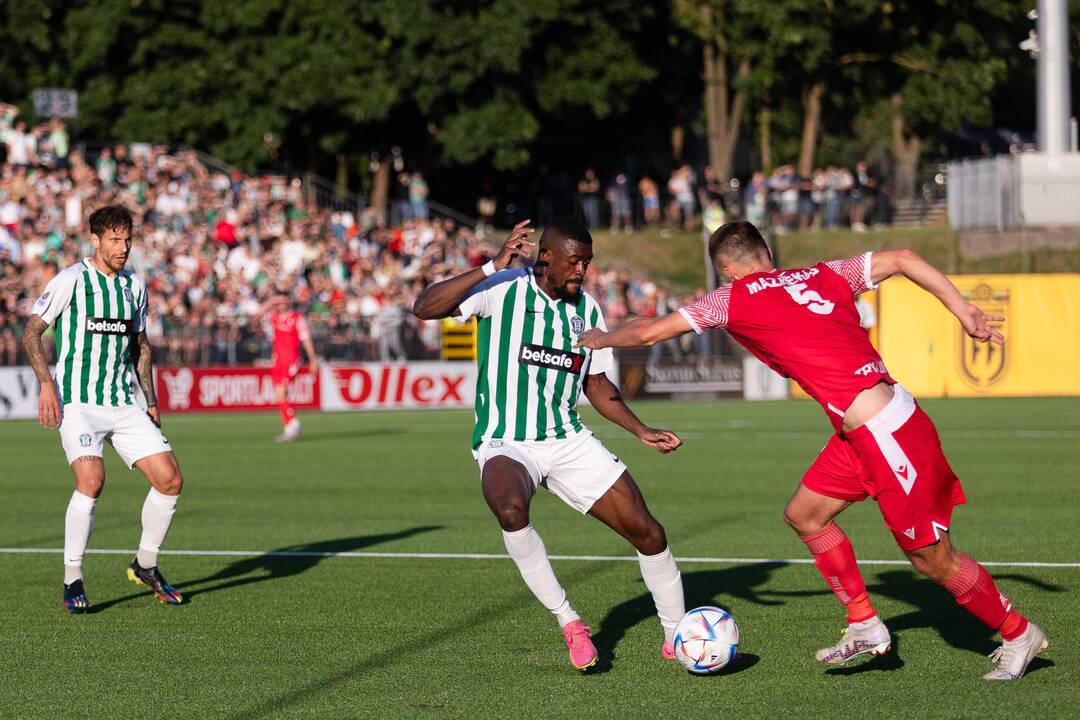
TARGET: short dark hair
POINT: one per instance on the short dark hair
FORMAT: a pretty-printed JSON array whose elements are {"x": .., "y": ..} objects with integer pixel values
[
  {"x": 110, "y": 217},
  {"x": 570, "y": 228},
  {"x": 737, "y": 240}
]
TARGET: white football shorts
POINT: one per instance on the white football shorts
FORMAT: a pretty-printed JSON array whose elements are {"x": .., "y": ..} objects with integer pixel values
[
  {"x": 578, "y": 468},
  {"x": 85, "y": 429}
]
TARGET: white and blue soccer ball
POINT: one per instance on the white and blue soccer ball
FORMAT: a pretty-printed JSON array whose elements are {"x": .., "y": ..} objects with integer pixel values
[{"x": 706, "y": 640}]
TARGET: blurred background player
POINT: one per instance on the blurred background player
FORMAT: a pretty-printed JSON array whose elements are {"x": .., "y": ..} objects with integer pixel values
[
  {"x": 528, "y": 430},
  {"x": 290, "y": 332},
  {"x": 804, "y": 324},
  {"x": 100, "y": 313}
]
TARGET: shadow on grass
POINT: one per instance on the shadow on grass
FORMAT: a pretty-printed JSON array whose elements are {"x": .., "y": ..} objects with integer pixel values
[
  {"x": 348, "y": 434},
  {"x": 275, "y": 564},
  {"x": 704, "y": 587},
  {"x": 444, "y": 634},
  {"x": 936, "y": 609}
]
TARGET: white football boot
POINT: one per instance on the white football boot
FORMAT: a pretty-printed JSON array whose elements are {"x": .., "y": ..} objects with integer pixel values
[
  {"x": 1013, "y": 656},
  {"x": 292, "y": 431},
  {"x": 870, "y": 636}
]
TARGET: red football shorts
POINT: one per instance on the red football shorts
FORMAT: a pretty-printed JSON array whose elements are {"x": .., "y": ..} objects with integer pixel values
[
  {"x": 895, "y": 458},
  {"x": 283, "y": 373}
]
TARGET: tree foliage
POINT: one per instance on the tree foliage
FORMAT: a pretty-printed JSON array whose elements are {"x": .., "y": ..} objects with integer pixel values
[{"x": 485, "y": 82}]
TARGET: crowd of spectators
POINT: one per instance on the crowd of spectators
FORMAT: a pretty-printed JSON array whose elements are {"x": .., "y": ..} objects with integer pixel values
[
  {"x": 213, "y": 246},
  {"x": 784, "y": 200}
]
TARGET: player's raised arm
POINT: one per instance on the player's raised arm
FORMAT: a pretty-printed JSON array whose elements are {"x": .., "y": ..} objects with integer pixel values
[
  {"x": 906, "y": 262},
  {"x": 441, "y": 299},
  {"x": 637, "y": 333}
]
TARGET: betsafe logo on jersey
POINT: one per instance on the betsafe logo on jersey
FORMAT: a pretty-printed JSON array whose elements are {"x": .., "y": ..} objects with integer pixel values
[
  {"x": 106, "y": 326},
  {"x": 545, "y": 357}
]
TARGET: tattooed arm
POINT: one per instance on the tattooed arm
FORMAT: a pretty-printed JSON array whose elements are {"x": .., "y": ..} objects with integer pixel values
[
  {"x": 48, "y": 402},
  {"x": 144, "y": 373}
]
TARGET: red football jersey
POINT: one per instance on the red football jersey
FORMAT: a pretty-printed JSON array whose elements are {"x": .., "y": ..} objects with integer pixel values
[
  {"x": 289, "y": 329},
  {"x": 802, "y": 323}
]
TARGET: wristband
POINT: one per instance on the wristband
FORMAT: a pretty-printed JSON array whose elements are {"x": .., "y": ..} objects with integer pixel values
[{"x": 489, "y": 268}]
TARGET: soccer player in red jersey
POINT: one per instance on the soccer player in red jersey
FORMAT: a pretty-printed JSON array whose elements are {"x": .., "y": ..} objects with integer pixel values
[
  {"x": 290, "y": 332},
  {"x": 803, "y": 323}
]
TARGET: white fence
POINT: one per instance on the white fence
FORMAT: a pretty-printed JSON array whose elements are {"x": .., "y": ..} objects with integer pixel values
[{"x": 1015, "y": 191}]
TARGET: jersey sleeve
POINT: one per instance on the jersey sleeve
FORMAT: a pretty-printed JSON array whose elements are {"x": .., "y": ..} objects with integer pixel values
[
  {"x": 56, "y": 298},
  {"x": 302, "y": 328},
  {"x": 480, "y": 300},
  {"x": 709, "y": 312},
  {"x": 856, "y": 271},
  {"x": 143, "y": 311},
  {"x": 603, "y": 359}
]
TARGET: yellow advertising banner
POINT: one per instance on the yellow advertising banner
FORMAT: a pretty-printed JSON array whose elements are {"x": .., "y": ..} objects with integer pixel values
[{"x": 925, "y": 349}]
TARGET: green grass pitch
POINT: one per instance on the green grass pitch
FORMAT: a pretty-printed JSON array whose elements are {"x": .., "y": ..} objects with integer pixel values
[{"x": 387, "y": 637}]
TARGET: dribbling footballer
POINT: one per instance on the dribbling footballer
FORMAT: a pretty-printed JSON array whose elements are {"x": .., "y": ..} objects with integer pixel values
[
  {"x": 99, "y": 310},
  {"x": 803, "y": 323},
  {"x": 528, "y": 431}
]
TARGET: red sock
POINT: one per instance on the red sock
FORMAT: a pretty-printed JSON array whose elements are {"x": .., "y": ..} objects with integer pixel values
[
  {"x": 287, "y": 413},
  {"x": 973, "y": 588},
  {"x": 835, "y": 559}
]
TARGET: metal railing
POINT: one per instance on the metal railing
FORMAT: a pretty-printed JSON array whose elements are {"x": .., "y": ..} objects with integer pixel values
[{"x": 1014, "y": 191}]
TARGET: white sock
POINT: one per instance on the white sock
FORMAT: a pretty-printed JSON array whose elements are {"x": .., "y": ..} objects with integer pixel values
[
  {"x": 529, "y": 554},
  {"x": 157, "y": 515},
  {"x": 664, "y": 581},
  {"x": 78, "y": 522}
]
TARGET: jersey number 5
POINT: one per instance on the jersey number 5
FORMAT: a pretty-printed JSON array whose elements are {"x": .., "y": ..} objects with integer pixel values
[{"x": 810, "y": 298}]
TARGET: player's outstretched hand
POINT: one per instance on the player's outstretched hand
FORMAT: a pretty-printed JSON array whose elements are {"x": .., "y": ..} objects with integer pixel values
[
  {"x": 48, "y": 407},
  {"x": 517, "y": 243},
  {"x": 976, "y": 323},
  {"x": 591, "y": 339},
  {"x": 155, "y": 415},
  {"x": 663, "y": 440}
]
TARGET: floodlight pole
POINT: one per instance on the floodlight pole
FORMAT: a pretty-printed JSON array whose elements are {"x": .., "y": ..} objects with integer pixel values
[{"x": 1053, "y": 77}]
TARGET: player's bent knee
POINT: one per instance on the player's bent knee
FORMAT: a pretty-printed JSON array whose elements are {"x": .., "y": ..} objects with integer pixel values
[
  {"x": 933, "y": 562},
  {"x": 800, "y": 522},
  {"x": 512, "y": 515},
  {"x": 652, "y": 539},
  {"x": 164, "y": 475}
]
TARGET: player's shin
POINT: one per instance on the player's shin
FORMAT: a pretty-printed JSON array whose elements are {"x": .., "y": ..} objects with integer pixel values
[
  {"x": 287, "y": 413},
  {"x": 664, "y": 581},
  {"x": 529, "y": 554},
  {"x": 835, "y": 559},
  {"x": 78, "y": 522},
  {"x": 157, "y": 515},
  {"x": 975, "y": 590}
]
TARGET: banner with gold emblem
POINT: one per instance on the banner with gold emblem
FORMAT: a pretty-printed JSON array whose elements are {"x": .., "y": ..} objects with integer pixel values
[{"x": 924, "y": 347}]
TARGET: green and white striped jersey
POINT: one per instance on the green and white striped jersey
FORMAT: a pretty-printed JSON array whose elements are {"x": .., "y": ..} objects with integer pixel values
[
  {"x": 97, "y": 317},
  {"x": 529, "y": 376}
]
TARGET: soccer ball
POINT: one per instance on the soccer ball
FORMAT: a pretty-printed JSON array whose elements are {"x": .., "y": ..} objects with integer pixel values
[{"x": 706, "y": 640}]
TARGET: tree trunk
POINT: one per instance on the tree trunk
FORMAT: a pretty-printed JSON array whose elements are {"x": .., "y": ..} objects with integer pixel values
[
  {"x": 678, "y": 140},
  {"x": 380, "y": 191},
  {"x": 342, "y": 175},
  {"x": 811, "y": 126},
  {"x": 765, "y": 123},
  {"x": 906, "y": 149},
  {"x": 723, "y": 110}
]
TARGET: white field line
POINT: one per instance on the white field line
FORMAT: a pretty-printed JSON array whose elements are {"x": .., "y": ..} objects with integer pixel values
[{"x": 496, "y": 556}]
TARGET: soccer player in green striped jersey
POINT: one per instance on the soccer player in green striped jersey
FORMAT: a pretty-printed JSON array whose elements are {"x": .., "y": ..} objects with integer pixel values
[
  {"x": 528, "y": 430},
  {"x": 99, "y": 310}
]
